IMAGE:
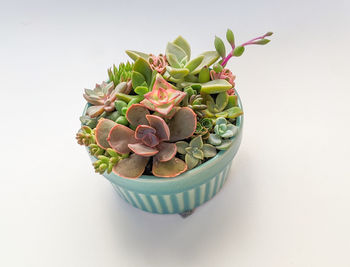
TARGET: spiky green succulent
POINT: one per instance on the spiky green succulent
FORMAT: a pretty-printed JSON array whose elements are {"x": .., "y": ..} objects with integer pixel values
[
  {"x": 194, "y": 101},
  {"x": 85, "y": 136},
  {"x": 195, "y": 151},
  {"x": 122, "y": 73}
]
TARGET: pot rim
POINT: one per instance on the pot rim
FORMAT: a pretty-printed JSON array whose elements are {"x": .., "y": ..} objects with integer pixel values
[{"x": 189, "y": 173}]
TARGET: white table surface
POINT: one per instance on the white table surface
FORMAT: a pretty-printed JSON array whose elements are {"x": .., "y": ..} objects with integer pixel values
[{"x": 287, "y": 201}]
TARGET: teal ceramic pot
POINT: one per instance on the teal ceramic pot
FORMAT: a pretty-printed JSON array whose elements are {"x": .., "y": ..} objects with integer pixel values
[{"x": 184, "y": 192}]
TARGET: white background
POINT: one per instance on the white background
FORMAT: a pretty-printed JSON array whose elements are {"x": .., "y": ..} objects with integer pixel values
[{"x": 287, "y": 201}]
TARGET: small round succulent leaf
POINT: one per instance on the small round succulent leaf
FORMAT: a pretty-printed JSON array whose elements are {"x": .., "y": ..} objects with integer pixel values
[
  {"x": 232, "y": 128},
  {"x": 181, "y": 146},
  {"x": 220, "y": 120},
  {"x": 191, "y": 161},
  {"x": 120, "y": 137},
  {"x": 150, "y": 140},
  {"x": 167, "y": 151},
  {"x": 142, "y": 130},
  {"x": 162, "y": 129},
  {"x": 122, "y": 120},
  {"x": 102, "y": 131},
  {"x": 197, "y": 142},
  {"x": 136, "y": 115},
  {"x": 170, "y": 168},
  {"x": 180, "y": 130},
  {"x": 197, "y": 153},
  {"x": 214, "y": 139},
  {"x": 131, "y": 167},
  {"x": 119, "y": 105},
  {"x": 224, "y": 145},
  {"x": 227, "y": 134},
  {"x": 209, "y": 150},
  {"x": 142, "y": 149}
]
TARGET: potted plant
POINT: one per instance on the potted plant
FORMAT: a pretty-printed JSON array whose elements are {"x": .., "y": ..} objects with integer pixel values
[{"x": 164, "y": 129}]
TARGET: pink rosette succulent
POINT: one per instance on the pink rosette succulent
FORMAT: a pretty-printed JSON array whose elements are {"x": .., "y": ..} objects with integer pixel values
[
  {"x": 163, "y": 98},
  {"x": 158, "y": 63}
]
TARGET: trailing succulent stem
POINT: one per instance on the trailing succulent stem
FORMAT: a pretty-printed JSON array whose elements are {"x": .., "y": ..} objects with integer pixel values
[
  {"x": 85, "y": 136},
  {"x": 107, "y": 161}
]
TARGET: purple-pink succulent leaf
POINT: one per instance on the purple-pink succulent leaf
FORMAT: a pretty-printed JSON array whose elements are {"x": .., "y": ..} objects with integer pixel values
[
  {"x": 150, "y": 140},
  {"x": 162, "y": 129},
  {"x": 183, "y": 124},
  {"x": 94, "y": 111},
  {"x": 136, "y": 115},
  {"x": 142, "y": 130},
  {"x": 170, "y": 168},
  {"x": 143, "y": 150},
  {"x": 169, "y": 115},
  {"x": 166, "y": 151},
  {"x": 131, "y": 167},
  {"x": 120, "y": 137},
  {"x": 102, "y": 131}
]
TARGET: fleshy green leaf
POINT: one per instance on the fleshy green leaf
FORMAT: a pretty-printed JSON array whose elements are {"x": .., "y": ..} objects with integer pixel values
[
  {"x": 204, "y": 75},
  {"x": 232, "y": 101},
  {"x": 262, "y": 42},
  {"x": 142, "y": 66},
  {"x": 137, "y": 79},
  {"x": 194, "y": 63},
  {"x": 173, "y": 61},
  {"x": 214, "y": 139},
  {"x": 176, "y": 51},
  {"x": 231, "y": 113},
  {"x": 209, "y": 150},
  {"x": 177, "y": 73},
  {"x": 191, "y": 161},
  {"x": 220, "y": 46},
  {"x": 181, "y": 146},
  {"x": 230, "y": 37},
  {"x": 141, "y": 90},
  {"x": 221, "y": 101},
  {"x": 134, "y": 55},
  {"x": 215, "y": 86},
  {"x": 197, "y": 142},
  {"x": 181, "y": 42},
  {"x": 238, "y": 51},
  {"x": 210, "y": 57},
  {"x": 224, "y": 145}
]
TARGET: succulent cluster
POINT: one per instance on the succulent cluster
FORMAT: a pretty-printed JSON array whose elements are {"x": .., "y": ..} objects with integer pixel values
[{"x": 163, "y": 114}]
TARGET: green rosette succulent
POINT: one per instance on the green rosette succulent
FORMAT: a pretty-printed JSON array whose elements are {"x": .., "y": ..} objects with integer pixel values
[
  {"x": 195, "y": 151},
  {"x": 95, "y": 150},
  {"x": 85, "y": 136},
  {"x": 106, "y": 162},
  {"x": 194, "y": 101},
  {"x": 223, "y": 131}
]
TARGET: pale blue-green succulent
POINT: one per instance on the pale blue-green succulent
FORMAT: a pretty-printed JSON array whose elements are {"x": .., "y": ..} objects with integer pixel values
[
  {"x": 195, "y": 151},
  {"x": 223, "y": 132}
]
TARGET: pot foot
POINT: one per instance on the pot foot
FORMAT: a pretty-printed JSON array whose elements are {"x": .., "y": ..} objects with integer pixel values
[{"x": 187, "y": 213}]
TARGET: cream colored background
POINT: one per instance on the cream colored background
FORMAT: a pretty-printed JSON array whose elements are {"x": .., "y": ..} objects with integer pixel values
[{"x": 287, "y": 201}]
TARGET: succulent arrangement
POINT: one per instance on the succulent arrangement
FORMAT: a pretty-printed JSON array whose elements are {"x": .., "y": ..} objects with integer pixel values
[{"x": 163, "y": 114}]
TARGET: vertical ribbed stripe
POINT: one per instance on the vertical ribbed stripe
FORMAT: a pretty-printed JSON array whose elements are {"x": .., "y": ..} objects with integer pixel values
[
  {"x": 125, "y": 195},
  {"x": 202, "y": 193},
  {"x": 197, "y": 194},
  {"x": 145, "y": 202},
  {"x": 168, "y": 203},
  {"x": 211, "y": 187},
  {"x": 191, "y": 198},
  {"x": 157, "y": 203},
  {"x": 132, "y": 194},
  {"x": 180, "y": 201}
]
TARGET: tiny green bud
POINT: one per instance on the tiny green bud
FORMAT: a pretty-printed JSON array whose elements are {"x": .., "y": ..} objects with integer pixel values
[
  {"x": 122, "y": 120},
  {"x": 230, "y": 37},
  {"x": 269, "y": 34},
  {"x": 238, "y": 51},
  {"x": 217, "y": 67},
  {"x": 220, "y": 46}
]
